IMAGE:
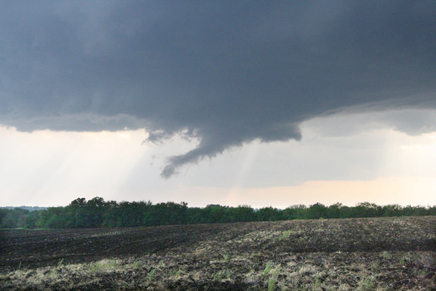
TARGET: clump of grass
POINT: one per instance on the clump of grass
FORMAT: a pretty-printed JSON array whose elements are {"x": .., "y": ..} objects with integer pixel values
[
  {"x": 375, "y": 267},
  {"x": 161, "y": 265},
  {"x": 367, "y": 284},
  {"x": 273, "y": 278},
  {"x": 318, "y": 281},
  {"x": 137, "y": 264},
  {"x": 150, "y": 275},
  {"x": 269, "y": 266},
  {"x": 19, "y": 274},
  {"x": 51, "y": 275},
  {"x": 307, "y": 269},
  {"x": 61, "y": 261},
  {"x": 272, "y": 272},
  {"x": 272, "y": 283},
  {"x": 222, "y": 274},
  {"x": 344, "y": 287},
  {"x": 386, "y": 255},
  {"x": 285, "y": 234},
  {"x": 177, "y": 274},
  {"x": 104, "y": 266},
  {"x": 226, "y": 258},
  {"x": 404, "y": 260}
]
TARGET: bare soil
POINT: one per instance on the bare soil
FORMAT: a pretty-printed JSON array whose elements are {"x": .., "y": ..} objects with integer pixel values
[{"x": 338, "y": 254}]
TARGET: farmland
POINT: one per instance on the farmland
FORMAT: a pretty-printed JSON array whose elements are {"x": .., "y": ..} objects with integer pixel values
[{"x": 337, "y": 254}]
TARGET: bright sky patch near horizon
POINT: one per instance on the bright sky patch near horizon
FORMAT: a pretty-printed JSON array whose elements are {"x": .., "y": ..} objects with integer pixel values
[
  {"x": 250, "y": 102},
  {"x": 379, "y": 165}
]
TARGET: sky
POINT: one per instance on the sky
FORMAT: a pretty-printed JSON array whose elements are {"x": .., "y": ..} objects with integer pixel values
[{"x": 218, "y": 102}]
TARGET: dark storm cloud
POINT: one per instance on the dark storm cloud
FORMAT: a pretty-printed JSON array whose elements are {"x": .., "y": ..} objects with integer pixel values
[{"x": 226, "y": 73}]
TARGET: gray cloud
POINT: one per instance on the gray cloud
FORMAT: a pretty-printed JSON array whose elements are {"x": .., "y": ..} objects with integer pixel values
[
  {"x": 222, "y": 72},
  {"x": 413, "y": 122}
]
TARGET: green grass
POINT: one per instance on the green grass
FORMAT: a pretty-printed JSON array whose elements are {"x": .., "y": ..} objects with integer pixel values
[
  {"x": 222, "y": 274},
  {"x": 269, "y": 266},
  {"x": 104, "y": 266},
  {"x": 151, "y": 275},
  {"x": 285, "y": 234},
  {"x": 386, "y": 255},
  {"x": 367, "y": 284}
]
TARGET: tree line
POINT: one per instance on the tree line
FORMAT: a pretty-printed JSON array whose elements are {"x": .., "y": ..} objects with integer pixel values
[{"x": 97, "y": 212}]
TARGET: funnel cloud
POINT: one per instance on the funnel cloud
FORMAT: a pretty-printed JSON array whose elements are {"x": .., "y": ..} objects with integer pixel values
[{"x": 223, "y": 73}]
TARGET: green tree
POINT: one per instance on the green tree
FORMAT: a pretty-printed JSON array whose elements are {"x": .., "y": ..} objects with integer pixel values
[
  {"x": 392, "y": 210},
  {"x": 335, "y": 210},
  {"x": 316, "y": 211},
  {"x": 269, "y": 214},
  {"x": 242, "y": 213},
  {"x": 366, "y": 209},
  {"x": 32, "y": 219},
  {"x": 214, "y": 213},
  {"x": 3, "y": 213},
  {"x": 53, "y": 217},
  {"x": 194, "y": 215}
]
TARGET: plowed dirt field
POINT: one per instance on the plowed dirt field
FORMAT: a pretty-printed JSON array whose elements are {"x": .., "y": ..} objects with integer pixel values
[{"x": 338, "y": 254}]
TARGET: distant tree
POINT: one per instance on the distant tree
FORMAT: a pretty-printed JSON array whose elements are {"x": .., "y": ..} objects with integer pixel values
[
  {"x": 53, "y": 217},
  {"x": 242, "y": 213},
  {"x": 269, "y": 214},
  {"x": 10, "y": 219},
  {"x": 32, "y": 219},
  {"x": 392, "y": 210},
  {"x": 100, "y": 213},
  {"x": 431, "y": 210},
  {"x": 3, "y": 213},
  {"x": 79, "y": 202},
  {"x": 316, "y": 211},
  {"x": 110, "y": 214},
  {"x": 346, "y": 212},
  {"x": 289, "y": 213},
  {"x": 94, "y": 210},
  {"x": 173, "y": 213},
  {"x": 296, "y": 212},
  {"x": 133, "y": 213},
  {"x": 195, "y": 215},
  {"x": 415, "y": 211},
  {"x": 366, "y": 209},
  {"x": 214, "y": 213},
  {"x": 335, "y": 210}
]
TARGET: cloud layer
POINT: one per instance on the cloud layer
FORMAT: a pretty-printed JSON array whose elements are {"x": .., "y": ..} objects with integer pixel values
[{"x": 222, "y": 73}]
